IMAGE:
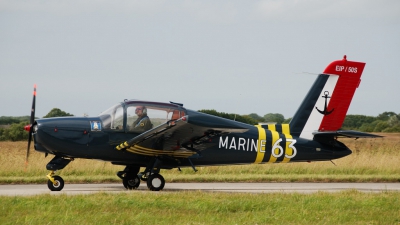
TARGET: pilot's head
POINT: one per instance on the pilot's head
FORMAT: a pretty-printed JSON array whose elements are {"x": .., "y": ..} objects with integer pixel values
[{"x": 140, "y": 110}]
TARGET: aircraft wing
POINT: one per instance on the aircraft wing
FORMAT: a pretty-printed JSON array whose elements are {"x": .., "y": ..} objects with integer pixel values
[
  {"x": 179, "y": 138},
  {"x": 346, "y": 133}
]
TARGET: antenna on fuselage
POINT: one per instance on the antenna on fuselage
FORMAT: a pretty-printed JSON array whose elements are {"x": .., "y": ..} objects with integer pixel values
[{"x": 175, "y": 103}]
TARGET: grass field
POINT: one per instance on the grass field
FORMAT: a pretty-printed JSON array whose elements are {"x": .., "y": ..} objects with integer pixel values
[
  {"x": 349, "y": 207},
  {"x": 373, "y": 160}
]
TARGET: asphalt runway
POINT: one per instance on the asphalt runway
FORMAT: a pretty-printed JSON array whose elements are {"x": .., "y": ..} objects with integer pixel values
[{"x": 73, "y": 189}]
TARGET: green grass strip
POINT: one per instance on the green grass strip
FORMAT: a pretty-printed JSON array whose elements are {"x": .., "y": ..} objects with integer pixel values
[{"x": 134, "y": 207}]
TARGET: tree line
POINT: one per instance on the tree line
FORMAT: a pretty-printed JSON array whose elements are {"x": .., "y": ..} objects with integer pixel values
[
  {"x": 384, "y": 122},
  {"x": 12, "y": 128}
]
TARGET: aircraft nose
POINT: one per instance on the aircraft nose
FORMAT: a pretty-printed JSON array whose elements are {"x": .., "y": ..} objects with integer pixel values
[{"x": 38, "y": 139}]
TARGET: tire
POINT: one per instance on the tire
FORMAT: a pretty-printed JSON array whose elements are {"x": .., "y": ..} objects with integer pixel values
[
  {"x": 155, "y": 182},
  {"x": 131, "y": 182},
  {"x": 58, "y": 186}
]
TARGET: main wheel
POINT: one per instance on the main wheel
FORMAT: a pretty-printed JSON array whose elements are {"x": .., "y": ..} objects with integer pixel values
[
  {"x": 155, "y": 182},
  {"x": 58, "y": 186},
  {"x": 131, "y": 182}
]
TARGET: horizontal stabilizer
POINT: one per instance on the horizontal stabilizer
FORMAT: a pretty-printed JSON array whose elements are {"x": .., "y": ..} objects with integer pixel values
[{"x": 345, "y": 133}]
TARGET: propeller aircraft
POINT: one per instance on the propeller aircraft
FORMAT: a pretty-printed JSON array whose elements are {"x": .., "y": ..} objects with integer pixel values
[{"x": 156, "y": 135}]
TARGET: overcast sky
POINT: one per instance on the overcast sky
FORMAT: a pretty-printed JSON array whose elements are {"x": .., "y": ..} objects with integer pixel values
[{"x": 232, "y": 56}]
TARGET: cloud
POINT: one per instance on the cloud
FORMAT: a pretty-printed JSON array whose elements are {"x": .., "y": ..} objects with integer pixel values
[
  {"x": 209, "y": 11},
  {"x": 68, "y": 7},
  {"x": 218, "y": 11},
  {"x": 314, "y": 9}
]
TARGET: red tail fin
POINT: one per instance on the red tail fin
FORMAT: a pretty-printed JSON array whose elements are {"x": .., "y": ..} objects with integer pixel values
[
  {"x": 349, "y": 79},
  {"x": 327, "y": 102}
]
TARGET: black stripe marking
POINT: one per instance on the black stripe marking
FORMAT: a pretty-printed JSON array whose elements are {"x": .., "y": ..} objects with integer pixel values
[
  {"x": 278, "y": 128},
  {"x": 268, "y": 145}
]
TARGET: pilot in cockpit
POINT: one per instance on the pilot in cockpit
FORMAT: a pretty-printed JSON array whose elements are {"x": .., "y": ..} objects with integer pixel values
[{"x": 142, "y": 123}]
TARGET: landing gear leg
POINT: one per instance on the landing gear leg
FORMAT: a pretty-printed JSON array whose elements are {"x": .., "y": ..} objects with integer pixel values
[
  {"x": 129, "y": 177},
  {"x": 154, "y": 180},
  {"x": 56, "y": 183}
]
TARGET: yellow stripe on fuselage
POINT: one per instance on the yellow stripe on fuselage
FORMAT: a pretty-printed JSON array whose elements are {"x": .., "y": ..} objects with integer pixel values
[
  {"x": 286, "y": 129},
  {"x": 260, "y": 149},
  {"x": 271, "y": 127},
  {"x": 288, "y": 151}
]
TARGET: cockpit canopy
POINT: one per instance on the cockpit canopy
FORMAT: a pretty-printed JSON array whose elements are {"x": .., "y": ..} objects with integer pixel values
[{"x": 123, "y": 117}]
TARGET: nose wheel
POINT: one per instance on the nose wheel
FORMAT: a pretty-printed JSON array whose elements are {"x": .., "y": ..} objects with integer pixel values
[{"x": 55, "y": 183}]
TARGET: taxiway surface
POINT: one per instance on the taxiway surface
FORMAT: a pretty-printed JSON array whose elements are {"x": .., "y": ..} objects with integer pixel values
[{"x": 71, "y": 189}]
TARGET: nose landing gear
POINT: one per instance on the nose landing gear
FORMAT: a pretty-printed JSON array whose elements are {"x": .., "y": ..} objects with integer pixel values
[{"x": 55, "y": 183}]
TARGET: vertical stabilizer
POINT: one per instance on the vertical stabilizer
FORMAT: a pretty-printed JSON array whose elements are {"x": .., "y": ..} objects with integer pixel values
[{"x": 325, "y": 106}]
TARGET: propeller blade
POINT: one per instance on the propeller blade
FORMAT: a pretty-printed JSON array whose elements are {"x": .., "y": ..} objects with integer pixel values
[
  {"x": 29, "y": 145},
  {"x": 33, "y": 105},
  {"x": 32, "y": 120}
]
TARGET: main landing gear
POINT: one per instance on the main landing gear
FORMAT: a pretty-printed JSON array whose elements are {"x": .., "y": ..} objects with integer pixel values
[
  {"x": 155, "y": 182},
  {"x": 131, "y": 177},
  {"x": 131, "y": 180}
]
